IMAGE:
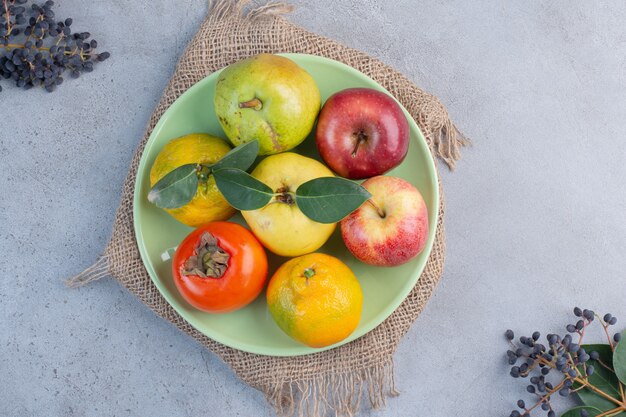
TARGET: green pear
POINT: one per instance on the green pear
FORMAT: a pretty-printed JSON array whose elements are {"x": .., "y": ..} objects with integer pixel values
[{"x": 268, "y": 98}]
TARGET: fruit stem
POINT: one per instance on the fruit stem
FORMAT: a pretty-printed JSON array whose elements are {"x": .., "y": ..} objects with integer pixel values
[
  {"x": 380, "y": 211},
  {"x": 309, "y": 272},
  {"x": 255, "y": 104},
  {"x": 203, "y": 172},
  {"x": 360, "y": 138},
  {"x": 209, "y": 260},
  {"x": 283, "y": 195}
]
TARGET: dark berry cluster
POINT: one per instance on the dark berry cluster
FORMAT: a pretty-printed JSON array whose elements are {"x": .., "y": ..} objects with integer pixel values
[
  {"x": 38, "y": 49},
  {"x": 560, "y": 365}
]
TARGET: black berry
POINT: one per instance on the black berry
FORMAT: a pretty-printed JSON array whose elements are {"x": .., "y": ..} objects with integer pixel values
[{"x": 38, "y": 49}]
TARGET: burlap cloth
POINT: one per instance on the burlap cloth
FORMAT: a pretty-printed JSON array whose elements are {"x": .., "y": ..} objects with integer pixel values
[{"x": 332, "y": 382}]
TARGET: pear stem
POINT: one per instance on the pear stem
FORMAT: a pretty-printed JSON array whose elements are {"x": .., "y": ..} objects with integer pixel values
[{"x": 255, "y": 104}]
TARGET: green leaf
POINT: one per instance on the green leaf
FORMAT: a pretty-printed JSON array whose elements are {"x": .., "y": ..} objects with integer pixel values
[
  {"x": 619, "y": 360},
  {"x": 575, "y": 412},
  {"x": 591, "y": 399},
  {"x": 602, "y": 379},
  {"x": 330, "y": 199},
  {"x": 175, "y": 189},
  {"x": 241, "y": 157},
  {"x": 242, "y": 190}
]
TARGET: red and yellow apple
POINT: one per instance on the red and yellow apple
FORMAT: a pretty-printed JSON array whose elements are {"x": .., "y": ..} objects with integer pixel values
[
  {"x": 392, "y": 227},
  {"x": 362, "y": 133}
]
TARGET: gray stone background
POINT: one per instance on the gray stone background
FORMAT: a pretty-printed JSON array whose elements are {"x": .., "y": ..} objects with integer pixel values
[{"x": 535, "y": 217}]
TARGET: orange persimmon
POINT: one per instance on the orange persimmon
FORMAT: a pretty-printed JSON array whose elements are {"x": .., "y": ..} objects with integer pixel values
[{"x": 220, "y": 267}]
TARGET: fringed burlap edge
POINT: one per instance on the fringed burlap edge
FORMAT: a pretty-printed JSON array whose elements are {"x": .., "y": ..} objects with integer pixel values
[
  {"x": 96, "y": 271},
  {"x": 341, "y": 393}
]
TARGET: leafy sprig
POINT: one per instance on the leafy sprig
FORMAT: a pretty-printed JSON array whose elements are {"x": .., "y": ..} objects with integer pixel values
[
  {"x": 324, "y": 200},
  {"x": 595, "y": 373},
  {"x": 180, "y": 185}
]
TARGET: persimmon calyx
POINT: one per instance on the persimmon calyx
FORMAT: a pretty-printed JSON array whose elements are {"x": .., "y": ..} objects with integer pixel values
[{"x": 209, "y": 259}]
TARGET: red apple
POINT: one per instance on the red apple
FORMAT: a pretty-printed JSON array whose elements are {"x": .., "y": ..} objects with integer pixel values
[
  {"x": 362, "y": 133},
  {"x": 389, "y": 229}
]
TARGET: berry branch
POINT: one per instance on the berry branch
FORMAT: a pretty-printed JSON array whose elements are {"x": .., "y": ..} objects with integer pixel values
[
  {"x": 610, "y": 412},
  {"x": 609, "y": 320},
  {"x": 576, "y": 367},
  {"x": 39, "y": 49},
  {"x": 7, "y": 16}
]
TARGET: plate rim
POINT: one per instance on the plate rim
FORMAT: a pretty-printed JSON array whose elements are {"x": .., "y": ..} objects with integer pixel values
[{"x": 299, "y": 350}]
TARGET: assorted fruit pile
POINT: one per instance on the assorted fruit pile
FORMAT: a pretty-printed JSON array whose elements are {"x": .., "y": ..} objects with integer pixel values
[{"x": 267, "y": 105}]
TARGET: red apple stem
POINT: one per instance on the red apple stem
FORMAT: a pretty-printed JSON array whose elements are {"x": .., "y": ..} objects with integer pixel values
[
  {"x": 360, "y": 138},
  {"x": 380, "y": 211},
  {"x": 255, "y": 104}
]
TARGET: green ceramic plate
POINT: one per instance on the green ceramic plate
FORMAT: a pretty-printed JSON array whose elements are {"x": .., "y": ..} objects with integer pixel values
[{"x": 252, "y": 329}]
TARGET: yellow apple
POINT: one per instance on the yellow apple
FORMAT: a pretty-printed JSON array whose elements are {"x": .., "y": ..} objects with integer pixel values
[{"x": 280, "y": 225}]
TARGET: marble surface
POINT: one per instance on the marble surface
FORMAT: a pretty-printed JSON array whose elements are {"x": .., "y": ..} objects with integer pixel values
[{"x": 535, "y": 217}]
